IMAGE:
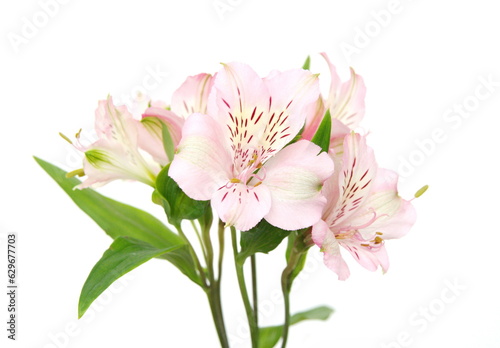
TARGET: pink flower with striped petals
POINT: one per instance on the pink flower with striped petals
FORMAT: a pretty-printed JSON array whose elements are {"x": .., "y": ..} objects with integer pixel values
[
  {"x": 363, "y": 210},
  {"x": 236, "y": 157}
]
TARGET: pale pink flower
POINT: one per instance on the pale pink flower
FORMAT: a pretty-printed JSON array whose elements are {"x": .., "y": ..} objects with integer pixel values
[
  {"x": 235, "y": 155},
  {"x": 363, "y": 210},
  {"x": 345, "y": 100},
  {"x": 115, "y": 155}
]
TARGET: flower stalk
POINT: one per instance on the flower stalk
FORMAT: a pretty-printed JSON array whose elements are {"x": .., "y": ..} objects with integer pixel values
[
  {"x": 251, "y": 318},
  {"x": 296, "y": 255}
]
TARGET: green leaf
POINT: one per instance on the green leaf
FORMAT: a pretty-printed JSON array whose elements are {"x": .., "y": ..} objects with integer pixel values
[
  {"x": 307, "y": 63},
  {"x": 122, "y": 220},
  {"x": 322, "y": 136},
  {"x": 178, "y": 205},
  {"x": 262, "y": 238},
  {"x": 269, "y": 336},
  {"x": 123, "y": 255},
  {"x": 318, "y": 313}
]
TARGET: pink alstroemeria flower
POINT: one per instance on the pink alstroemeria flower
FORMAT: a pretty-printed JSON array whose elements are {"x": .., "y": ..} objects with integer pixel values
[
  {"x": 235, "y": 155},
  {"x": 346, "y": 102},
  {"x": 115, "y": 155},
  {"x": 125, "y": 144},
  {"x": 363, "y": 210}
]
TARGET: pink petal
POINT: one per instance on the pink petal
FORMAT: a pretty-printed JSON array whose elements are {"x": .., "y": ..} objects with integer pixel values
[
  {"x": 294, "y": 178},
  {"x": 293, "y": 93},
  {"x": 261, "y": 115},
  {"x": 346, "y": 101},
  {"x": 395, "y": 216},
  {"x": 240, "y": 101},
  {"x": 241, "y": 206},
  {"x": 116, "y": 162},
  {"x": 115, "y": 123},
  {"x": 315, "y": 113},
  {"x": 339, "y": 130},
  {"x": 115, "y": 154},
  {"x": 203, "y": 162},
  {"x": 325, "y": 239},
  {"x": 192, "y": 96},
  {"x": 367, "y": 257},
  {"x": 355, "y": 179},
  {"x": 150, "y": 134}
]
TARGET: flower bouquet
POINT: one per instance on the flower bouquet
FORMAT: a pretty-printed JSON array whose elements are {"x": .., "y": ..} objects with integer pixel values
[{"x": 257, "y": 161}]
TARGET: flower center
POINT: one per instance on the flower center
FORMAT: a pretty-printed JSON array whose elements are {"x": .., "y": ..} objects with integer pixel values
[{"x": 249, "y": 167}]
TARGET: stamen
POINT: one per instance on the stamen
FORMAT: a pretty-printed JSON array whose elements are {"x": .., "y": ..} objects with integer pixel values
[
  {"x": 421, "y": 191},
  {"x": 75, "y": 172},
  {"x": 235, "y": 181},
  {"x": 65, "y": 138}
]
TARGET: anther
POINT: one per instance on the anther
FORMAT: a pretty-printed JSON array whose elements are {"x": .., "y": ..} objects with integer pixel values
[{"x": 65, "y": 138}]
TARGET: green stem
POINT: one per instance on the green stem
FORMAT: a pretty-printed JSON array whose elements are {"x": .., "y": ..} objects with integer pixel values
[
  {"x": 212, "y": 287},
  {"x": 296, "y": 259},
  {"x": 285, "y": 287},
  {"x": 215, "y": 305},
  {"x": 219, "y": 320},
  {"x": 254, "y": 330},
  {"x": 209, "y": 252},
  {"x": 221, "y": 248},
  {"x": 214, "y": 293},
  {"x": 254, "y": 290},
  {"x": 195, "y": 258},
  {"x": 198, "y": 235}
]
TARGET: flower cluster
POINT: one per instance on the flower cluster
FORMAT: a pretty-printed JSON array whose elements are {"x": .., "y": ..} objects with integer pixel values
[{"x": 247, "y": 144}]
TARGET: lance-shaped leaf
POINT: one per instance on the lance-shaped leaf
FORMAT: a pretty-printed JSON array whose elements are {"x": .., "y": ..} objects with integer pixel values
[
  {"x": 269, "y": 336},
  {"x": 118, "y": 219},
  {"x": 123, "y": 255},
  {"x": 322, "y": 136}
]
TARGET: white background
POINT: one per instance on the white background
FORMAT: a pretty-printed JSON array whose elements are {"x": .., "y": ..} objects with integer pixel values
[{"x": 424, "y": 59}]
